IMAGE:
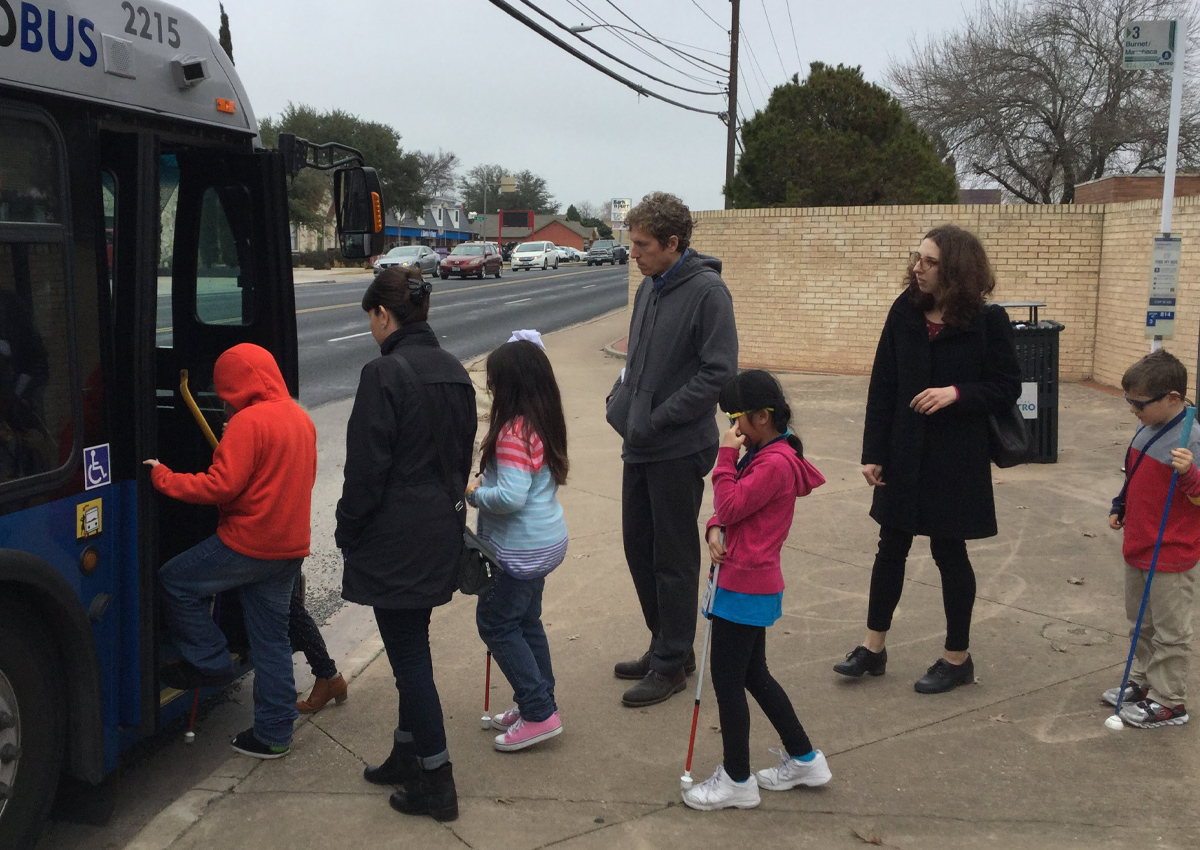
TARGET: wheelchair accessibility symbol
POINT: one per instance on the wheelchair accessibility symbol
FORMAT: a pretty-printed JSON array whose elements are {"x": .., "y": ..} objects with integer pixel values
[{"x": 96, "y": 469}]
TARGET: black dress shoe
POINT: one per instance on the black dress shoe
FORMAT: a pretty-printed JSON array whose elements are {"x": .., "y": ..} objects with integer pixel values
[
  {"x": 862, "y": 660},
  {"x": 653, "y": 689},
  {"x": 944, "y": 676},
  {"x": 399, "y": 767},
  {"x": 185, "y": 676},
  {"x": 638, "y": 669}
]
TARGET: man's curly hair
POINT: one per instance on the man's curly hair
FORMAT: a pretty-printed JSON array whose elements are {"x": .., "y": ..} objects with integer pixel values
[{"x": 663, "y": 215}]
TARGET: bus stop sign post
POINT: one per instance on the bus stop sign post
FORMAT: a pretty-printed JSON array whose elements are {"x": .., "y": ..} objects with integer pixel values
[{"x": 1160, "y": 46}]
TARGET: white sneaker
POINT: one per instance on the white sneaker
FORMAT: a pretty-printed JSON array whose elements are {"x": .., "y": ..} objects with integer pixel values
[
  {"x": 501, "y": 722},
  {"x": 721, "y": 792},
  {"x": 792, "y": 772}
]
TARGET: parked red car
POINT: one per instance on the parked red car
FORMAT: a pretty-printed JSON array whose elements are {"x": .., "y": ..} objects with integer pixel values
[{"x": 472, "y": 259}]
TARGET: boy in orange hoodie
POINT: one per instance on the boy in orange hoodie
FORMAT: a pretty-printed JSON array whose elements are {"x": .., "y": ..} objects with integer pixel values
[{"x": 261, "y": 481}]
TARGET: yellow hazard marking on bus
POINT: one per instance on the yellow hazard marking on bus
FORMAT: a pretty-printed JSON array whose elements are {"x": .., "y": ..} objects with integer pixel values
[{"x": 89, "y": 520}]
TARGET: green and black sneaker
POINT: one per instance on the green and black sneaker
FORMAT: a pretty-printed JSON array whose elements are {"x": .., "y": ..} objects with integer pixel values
[{"x": 248, "y": 744}]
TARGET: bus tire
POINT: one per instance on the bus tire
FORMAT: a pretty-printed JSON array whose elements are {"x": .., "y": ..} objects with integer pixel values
[{"x": 29, "y": 677}]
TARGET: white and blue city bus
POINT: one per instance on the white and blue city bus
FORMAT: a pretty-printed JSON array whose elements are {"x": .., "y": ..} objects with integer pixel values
[{"x": 143, "y": 231}]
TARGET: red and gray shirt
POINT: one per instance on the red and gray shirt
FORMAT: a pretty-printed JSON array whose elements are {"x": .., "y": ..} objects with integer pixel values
[{"x": 1148, "y": 472}]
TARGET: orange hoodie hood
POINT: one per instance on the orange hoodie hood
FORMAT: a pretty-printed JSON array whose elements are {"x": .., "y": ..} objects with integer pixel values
[{"x": 247, "y": 374}]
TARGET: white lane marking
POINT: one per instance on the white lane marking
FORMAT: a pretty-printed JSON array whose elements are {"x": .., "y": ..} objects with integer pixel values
[
  {"x": 519, "y": 301},
  {"x": 352, "y": 336},
  {"x": 589, "y": 286}
]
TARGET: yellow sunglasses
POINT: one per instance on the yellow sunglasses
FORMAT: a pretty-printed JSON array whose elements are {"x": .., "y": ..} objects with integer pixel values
[{"x": 734, "y": 417}]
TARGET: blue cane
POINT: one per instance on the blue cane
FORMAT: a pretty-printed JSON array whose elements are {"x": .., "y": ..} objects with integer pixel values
[{"x": 1115, "y": 721}]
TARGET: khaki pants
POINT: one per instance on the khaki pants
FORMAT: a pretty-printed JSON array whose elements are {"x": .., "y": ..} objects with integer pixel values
[{"x": 1160, "y": 661}]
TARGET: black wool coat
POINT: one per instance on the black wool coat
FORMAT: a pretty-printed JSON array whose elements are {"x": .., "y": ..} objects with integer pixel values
[
  {"x": 396, "y": 521},
  {"x": 936, "y": 469}
]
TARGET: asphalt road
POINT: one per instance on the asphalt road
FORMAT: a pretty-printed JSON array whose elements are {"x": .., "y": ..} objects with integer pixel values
[{"x": 469, "y": 316}]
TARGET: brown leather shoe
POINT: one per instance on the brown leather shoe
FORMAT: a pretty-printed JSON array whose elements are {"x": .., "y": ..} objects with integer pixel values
[
  {"x": 655, "y": 688},
  {"x": 324, "y": 690}
]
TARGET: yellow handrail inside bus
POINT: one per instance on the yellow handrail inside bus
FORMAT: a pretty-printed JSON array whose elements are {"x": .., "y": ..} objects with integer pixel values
[{"x": 195, "y": 408}]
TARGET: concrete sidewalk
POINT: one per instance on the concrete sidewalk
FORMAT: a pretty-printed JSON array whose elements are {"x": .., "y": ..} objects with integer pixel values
[{"x": 1019, "y": 759}]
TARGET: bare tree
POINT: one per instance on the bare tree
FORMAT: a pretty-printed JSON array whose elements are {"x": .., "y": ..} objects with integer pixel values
[
  {"x": 1030, "y": 94},
  {"x": 439, "y": 172},
  {"x": 588, "y": 209}
]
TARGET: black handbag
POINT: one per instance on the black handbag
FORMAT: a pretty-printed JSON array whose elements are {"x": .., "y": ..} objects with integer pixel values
[
  {"x": 478, "y": 564},
  {"x": 1009, "y": 440}
]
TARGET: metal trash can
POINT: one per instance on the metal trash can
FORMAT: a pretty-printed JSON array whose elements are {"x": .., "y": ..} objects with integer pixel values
[{"x": 1037, "y": 352}]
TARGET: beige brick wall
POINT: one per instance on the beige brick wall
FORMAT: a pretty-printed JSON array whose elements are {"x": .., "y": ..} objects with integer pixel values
[{"x": 811, "y": 287}]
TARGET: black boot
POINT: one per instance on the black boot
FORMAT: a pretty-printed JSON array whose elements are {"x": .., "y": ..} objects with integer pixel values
[
  {"x": 400, "y": 766},
  {"x": 431, "y": 793}
]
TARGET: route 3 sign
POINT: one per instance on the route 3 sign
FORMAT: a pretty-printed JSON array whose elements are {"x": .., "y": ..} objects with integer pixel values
[{"x": 1149, "y": 46}]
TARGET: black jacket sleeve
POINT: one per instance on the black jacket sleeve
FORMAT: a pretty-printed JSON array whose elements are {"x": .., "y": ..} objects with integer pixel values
[
  {"x": 370, "y": 448},
  {"x": 999, "y": 385},
  {"x": 881, "y": 398}
]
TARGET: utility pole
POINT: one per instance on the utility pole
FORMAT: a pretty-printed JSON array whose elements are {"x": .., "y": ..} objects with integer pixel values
[{"x": 731, "y": 138}]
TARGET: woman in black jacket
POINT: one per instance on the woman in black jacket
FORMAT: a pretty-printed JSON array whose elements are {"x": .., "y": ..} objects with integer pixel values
[
  {"x": 945, "y": 361},
  {"x": 397, "y": 525}
]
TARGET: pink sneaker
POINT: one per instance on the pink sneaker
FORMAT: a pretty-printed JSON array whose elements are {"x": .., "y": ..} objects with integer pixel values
[
  {"x": 525, "y": 733},
  {"x": 502, "y": 722}
]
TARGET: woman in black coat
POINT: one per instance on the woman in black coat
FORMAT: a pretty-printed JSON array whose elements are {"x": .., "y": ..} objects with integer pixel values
[
  {"x": 397, "y": 525},
  {"x": 945, "y": 361}
]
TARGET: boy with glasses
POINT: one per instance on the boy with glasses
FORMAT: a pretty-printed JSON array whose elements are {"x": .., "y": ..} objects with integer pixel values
[{"x": 1154, "y": 695}]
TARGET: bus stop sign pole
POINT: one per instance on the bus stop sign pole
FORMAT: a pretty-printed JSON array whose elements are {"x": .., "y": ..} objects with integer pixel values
[{"x": 1160, "y": 46}]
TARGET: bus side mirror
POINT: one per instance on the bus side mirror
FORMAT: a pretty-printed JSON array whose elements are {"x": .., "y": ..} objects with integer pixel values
[{"x": 358, "y": 200}]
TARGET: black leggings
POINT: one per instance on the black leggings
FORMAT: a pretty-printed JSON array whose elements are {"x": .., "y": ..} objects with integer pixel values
[
  {"x": 958, "y": 584},
  {"x": 739, "y": 664},
  {"x": 306, "y": 637}
]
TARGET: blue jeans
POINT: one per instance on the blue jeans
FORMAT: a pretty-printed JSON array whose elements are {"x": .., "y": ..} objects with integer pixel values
[
  {"x": 405, "y": 634},
  {"x": 509, "y": 618},
  {"x": 192, "y": 578}
]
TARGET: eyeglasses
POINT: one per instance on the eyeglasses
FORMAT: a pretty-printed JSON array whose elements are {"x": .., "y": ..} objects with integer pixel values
[
  {"x": 1142, "y": 405},
  {"x": 916, "y": 259},
  {"x": 734, "y": 417}
]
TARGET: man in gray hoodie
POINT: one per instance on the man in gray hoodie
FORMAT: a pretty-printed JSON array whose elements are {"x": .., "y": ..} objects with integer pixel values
[{"x": 682, "y": 350}]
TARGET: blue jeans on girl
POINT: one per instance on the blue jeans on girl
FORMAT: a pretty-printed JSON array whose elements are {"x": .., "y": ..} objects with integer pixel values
[{"x": 510, "y": 622}]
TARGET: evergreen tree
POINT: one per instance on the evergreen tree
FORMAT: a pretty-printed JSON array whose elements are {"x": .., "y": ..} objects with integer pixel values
[
  {"x": 837, "y": 140},
  {"x": 573, "y": 214},
  {"x": 223, "y": 35}
]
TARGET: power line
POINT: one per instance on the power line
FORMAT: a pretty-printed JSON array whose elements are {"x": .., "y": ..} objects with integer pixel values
[
  {"x": 710, "y": 17},
  {"x": 647, "y": 32},
  {"x": 755, "y": 64},
  {"x": 549, "y": 36},
  {"x": 597, "y": 47},
  {"x": 771, "y": 29},
  {"x": 618, "y": 31},
  {"x": 788, "y": 5}
]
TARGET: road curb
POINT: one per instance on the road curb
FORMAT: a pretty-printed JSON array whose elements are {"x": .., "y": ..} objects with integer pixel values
[{"x": 169, "y": 825}]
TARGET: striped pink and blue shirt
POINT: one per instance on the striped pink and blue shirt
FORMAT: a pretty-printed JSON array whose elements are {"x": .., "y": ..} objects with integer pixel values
[{"x": 519, "y": 513}]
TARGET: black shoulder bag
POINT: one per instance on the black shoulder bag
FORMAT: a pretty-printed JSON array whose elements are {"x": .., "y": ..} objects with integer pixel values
[
  {"x": 478, "y": 564},
  {"x": 1009, "y": 440}
]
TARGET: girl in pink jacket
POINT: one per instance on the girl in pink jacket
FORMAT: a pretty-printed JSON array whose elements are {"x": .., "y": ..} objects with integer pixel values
[{"x": 755, "y": 499}]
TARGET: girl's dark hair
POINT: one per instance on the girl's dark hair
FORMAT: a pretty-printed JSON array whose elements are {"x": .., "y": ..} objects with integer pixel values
[
  {"x": 521, "y": 381},
  {"x": 402, "y": 291},
  {"x": 964, "y": 275},
  {"x": 755, "y": 390}
]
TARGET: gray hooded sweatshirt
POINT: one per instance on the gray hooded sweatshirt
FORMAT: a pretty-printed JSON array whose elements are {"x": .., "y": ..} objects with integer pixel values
[{"x": 683, "y": 349}]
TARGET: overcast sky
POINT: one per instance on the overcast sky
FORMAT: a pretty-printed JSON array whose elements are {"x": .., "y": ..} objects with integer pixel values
[{"x": 464, "y": 76}]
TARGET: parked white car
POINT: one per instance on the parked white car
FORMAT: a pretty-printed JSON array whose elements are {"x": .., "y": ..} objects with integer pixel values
[
  {"x": 569, "y": 254},
  {"x": 530, "y": 255}
]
